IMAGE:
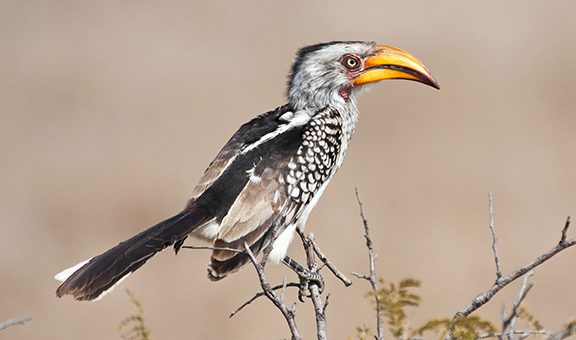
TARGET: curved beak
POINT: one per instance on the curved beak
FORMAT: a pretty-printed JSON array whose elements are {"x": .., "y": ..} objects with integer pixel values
[{"x": 389, "y": 62}]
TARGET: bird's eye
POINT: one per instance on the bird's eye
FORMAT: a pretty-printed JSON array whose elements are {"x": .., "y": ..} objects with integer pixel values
[{"x": 351, "y": 62}]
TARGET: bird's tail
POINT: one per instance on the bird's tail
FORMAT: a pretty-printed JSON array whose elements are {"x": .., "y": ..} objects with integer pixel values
[{"x": 92, "y": 279}]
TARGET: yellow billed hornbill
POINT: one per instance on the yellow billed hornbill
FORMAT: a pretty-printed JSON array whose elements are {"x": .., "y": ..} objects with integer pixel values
[{"x": 269, "y": 176}]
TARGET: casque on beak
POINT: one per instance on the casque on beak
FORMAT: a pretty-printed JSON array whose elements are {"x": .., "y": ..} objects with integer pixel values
[{"x": 389, "y": 62}]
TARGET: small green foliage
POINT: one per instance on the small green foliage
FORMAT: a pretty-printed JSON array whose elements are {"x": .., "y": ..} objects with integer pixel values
[
  {"x": 138, "y": 331},
  {"x": 393, "y": 299},
  {"x": 364, "y": 333},
  {"x": 469, "y": 327},
  {"x": 524, "y": 314}
]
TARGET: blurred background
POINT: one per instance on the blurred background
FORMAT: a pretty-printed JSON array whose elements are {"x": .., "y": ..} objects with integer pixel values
[{"x": 111, "y": 110}]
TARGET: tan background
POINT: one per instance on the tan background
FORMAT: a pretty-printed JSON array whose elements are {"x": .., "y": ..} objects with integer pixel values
[{"x": 110, "y": 111}]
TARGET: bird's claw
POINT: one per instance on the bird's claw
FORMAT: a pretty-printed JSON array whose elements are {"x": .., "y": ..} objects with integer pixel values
[{"x": 308, "y": 278}]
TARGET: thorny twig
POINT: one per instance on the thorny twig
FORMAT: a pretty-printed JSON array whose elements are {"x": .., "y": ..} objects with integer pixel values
[
  {"x": 372, "y": 276},
  {"x": 12, "y": 322},
  {"x": 485, "y": 296}
]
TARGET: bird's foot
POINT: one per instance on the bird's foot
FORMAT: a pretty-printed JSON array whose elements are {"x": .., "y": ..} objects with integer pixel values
[{"x": 307, "y": 277}]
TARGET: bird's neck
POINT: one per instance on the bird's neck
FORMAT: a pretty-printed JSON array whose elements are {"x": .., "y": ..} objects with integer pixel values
[{"x": 347, "y": 108}]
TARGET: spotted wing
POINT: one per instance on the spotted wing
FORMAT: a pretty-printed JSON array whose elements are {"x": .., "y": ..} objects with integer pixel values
[
  {"x": 280, "y": 185},
  {"x": 262, "y": 204}
]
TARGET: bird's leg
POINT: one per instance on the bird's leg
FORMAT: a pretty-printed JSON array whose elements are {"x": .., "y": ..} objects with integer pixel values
[{"x": 306, "y": 276}]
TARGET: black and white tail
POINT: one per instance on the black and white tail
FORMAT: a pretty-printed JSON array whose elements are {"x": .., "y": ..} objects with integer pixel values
[{"x": 92, "y": 279}]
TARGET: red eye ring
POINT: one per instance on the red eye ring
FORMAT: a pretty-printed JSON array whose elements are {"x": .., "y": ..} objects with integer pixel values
[{"x": 352, "y": 62}]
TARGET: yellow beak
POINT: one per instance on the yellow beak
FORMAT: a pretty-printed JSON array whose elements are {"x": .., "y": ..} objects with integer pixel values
[{"x": 393, "y": 63}]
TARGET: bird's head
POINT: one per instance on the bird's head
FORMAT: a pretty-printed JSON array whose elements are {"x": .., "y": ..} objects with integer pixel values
[{"x": 331, "y": 73}]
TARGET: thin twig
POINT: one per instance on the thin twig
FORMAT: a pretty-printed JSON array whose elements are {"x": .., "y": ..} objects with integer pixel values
[
  {"x": 289, "y": 314},
  {"x": 568, "y": 330},
  {"x": 493, "y": 231},
  {"x": 260, "y": 294},
  {"x": 485, "y": 296},
  {"x": 346, "y": 281},
  {"x": 522, "y": 333},
  {"x": 510, "y": 322},
  {"x": 565, "y": 230},
  {"x": 12, "y": 322},
  {"x": 372, "y": 276}
]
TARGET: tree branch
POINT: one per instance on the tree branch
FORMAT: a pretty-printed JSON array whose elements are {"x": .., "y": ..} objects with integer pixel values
[
  {"x": 289, "y": 314},
  {"x": 346, "y": 281},
  {"x": 314, "y": 289},
  {"x": 521, "y": 333},
  {"x": 283, "y": 286},
  {"x": 567, "y": 331},
  {"x": 493, "y": 231},
  {"x": 372, "y": 276},
  {"x": 509, "y": 323},
  {"x": 12, "y": 322},
  {"x": 485, "y": 296}
]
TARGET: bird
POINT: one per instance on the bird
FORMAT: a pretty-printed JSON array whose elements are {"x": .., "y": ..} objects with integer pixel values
[{"x": 268, "y": 177}]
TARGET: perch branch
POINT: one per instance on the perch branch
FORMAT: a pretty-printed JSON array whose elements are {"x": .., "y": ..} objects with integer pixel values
[
  {"x": 314, "y": 289},
  {"x": 288, "y": 313}
]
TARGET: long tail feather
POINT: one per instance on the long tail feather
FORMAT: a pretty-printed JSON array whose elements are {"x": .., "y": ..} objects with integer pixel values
[{"x": 98, "y": 275}]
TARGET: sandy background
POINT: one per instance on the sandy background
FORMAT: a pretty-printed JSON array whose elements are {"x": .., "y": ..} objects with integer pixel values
[{"x": 111, "y": 110}]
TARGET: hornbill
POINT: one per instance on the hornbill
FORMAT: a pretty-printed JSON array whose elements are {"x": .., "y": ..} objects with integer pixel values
[{"x": 268, "y": 177}]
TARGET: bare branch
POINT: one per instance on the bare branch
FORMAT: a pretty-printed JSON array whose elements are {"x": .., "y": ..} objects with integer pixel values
[
  {"x": 493, "y": 231},
  {"x": 509, "y": 323},
  {"x": 372, "y": 276},
  {"x": 314, "y": 289},
  {"x": 568, "y": 330},
  {"x": 12, "y": 322},
  {"x": 565, "y": 230},
  {"x": 260, "y": 294},
  {"x": 521, "y": 333},
  {"x": 289, "y": 314},
  {"x": 346, "y": 281},
  {"x": 485, "y": 296}
]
